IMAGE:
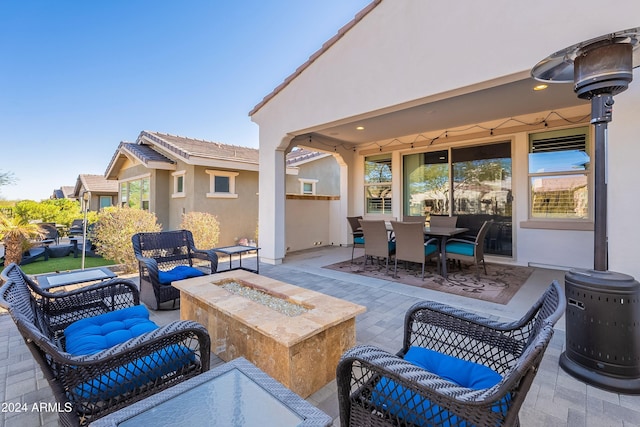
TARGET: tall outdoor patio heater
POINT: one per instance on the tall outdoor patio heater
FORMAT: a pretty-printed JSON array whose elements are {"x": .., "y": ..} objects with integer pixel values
[{"x": 603, "y": 307}]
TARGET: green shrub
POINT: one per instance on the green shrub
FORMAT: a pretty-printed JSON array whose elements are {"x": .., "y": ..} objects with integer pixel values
[
  {"x": 204, "y": 227},
  {"x": 113, "y": 231},
  {"x": 58, "y": 211}
]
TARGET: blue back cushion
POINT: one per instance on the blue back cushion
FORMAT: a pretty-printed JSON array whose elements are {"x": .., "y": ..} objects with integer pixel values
[
  {"x": 94, "y": 334},
  {"x": 462, "y": 372},
  {"x": 180, "y": 272},
  {"x": 404, "y": 403}
]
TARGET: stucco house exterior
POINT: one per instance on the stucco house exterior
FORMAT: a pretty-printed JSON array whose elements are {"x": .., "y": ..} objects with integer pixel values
[
  {"x": 171, "y": 175},
  {"x": 430, "y": 107},
  {"x": 102, "y": 192},
  {"x": 312, "y": 187}
]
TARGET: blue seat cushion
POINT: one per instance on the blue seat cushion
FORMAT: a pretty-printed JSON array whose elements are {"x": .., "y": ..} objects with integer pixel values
[
  {"x": 358, "y": 240},
  {"x": 180, "y": 272},
  {"x": 460, "y": 248},
  {"x": 94, "y": 334},
  {"x": 137, "y": 373},
  {"x": 411, "y": 407},
  {"x": 430, "y": 249}
]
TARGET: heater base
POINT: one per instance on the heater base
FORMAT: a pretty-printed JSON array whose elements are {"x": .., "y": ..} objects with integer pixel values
[{"x": 598, "y": 379}]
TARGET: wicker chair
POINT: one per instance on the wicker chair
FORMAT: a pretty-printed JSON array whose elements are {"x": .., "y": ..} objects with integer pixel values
[
  {"x": 161, "y": 252},
  {"x": 356, "y": 232},
  {"x": 443, "y": 221},
  {"x": 90, "y": 386},
  {"x": 470, "y": 251},
  {"x": 376, "y": 242},
  {"x": 411, "y": 245},
  {"x": 376, "y": 388}
]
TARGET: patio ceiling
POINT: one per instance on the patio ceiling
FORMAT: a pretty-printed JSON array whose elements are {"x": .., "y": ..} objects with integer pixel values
[{"x": 511, "y": 99}]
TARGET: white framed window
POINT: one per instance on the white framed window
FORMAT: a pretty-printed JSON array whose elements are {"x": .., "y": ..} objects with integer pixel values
[
  {"x": 178, "y": 184},
  {"x": 136, "y": 193},
  {"x": 559, "y": 175},
  {"x": 222, "y": 184},
  {"x": 307, "y": 186},
  {"x": 378, "y": 181}
]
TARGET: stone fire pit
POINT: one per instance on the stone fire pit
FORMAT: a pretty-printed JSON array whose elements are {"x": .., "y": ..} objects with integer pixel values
[{"x": 301, "y": 350}]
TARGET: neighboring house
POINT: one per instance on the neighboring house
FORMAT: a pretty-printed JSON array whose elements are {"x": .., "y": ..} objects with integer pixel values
[
  {"x": 102, "y": 193},
  {"x": 425, "y": 123},
  {"x": 312, "y": 188},
  {"x": 172, "y": 175},
  {"x": 64, "y": 192},
  {"x": 312, "y": 173}
]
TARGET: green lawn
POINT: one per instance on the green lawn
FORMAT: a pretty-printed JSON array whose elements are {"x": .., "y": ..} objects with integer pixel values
[{"x": 63, "y": 264}]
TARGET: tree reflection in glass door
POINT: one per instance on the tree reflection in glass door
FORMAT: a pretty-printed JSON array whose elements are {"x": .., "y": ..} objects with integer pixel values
[
  {"x": 426, "y": 184},
  {"x": 482, "y": 191}
]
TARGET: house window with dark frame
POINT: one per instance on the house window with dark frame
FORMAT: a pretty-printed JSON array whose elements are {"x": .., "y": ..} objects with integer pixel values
[
  {"x": 105, "y": 202},
  {"x": 559, "y": 175},
  {"x": 178, "y": 184},
  {"x": 222, "y": 184}
]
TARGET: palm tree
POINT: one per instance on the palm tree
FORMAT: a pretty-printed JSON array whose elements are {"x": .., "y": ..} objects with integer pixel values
[{"x": 16, "y": 233}]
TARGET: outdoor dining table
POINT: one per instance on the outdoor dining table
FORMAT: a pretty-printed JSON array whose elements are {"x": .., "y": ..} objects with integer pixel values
[{"x": 444, "y": 233}]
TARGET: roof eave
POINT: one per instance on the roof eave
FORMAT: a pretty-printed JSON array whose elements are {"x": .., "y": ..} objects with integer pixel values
[{"x": 326, "y": 46}]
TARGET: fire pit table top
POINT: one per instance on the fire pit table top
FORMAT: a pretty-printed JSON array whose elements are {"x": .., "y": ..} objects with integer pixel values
[{"x": 323, "y": 311}]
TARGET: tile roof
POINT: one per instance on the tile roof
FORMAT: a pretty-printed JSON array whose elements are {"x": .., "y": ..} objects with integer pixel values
[
  {"x": 64, "y": 192},
  {"x": 190, "y": 147},
  {"x": 145, "y": 153},
  {"x": 302, "y": 155},
  {"x": 341, "y": 32},
  {"x": 98, "y": 184}
]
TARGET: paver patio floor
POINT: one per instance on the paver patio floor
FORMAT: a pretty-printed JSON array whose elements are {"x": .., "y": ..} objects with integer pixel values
[{"x": 555, "y": 398}]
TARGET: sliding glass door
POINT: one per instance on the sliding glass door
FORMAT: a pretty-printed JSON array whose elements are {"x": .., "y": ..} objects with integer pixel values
[
  {"x": 426, "y": 184},
  {"x": 473, "y": 183},
  {"x": 482, "y": 191}
]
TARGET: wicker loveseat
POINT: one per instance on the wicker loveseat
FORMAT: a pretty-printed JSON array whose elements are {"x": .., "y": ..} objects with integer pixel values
[
  {"x": 89, "y": 384},
  {"x": 465, "y": 370},
  {"x": 167, "y": 256}
]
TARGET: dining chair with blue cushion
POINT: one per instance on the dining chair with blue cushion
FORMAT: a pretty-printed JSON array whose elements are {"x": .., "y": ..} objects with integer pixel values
[
  {"x": 356, "y": 233},
  {"x": 470, "y": 251},
  {"x": 411, "y": 246},
  {"x": 455, "y": 368},
  {"x": 376, "y": 241}
]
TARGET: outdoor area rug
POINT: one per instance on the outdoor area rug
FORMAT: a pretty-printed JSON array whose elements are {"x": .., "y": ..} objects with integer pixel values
[{"x": 499, "y": 284}]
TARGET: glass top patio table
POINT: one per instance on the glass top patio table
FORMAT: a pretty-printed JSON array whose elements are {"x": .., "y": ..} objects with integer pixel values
[
  {"x": 239, "y": 250},
  {"x": 54, "y": 280},
  {"x": 233, "y": 394}
]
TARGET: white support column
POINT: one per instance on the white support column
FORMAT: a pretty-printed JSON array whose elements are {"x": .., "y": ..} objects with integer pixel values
[
  {"x": 339, "y": 231},
  {"x": 271, "y": 201},
  {"x": 396, "y": 186}
]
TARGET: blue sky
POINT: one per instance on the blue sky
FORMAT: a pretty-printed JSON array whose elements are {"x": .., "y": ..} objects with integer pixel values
[{"x": 77, "y": 77}]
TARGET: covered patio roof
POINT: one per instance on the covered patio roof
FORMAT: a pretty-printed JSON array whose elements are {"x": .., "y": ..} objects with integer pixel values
[{"x": 465, "y": 107}]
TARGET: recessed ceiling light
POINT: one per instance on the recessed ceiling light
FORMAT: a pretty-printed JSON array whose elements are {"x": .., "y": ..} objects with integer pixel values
[
  {"x": 540, "y": 87},
  {"x": 360, "y": 128}
]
